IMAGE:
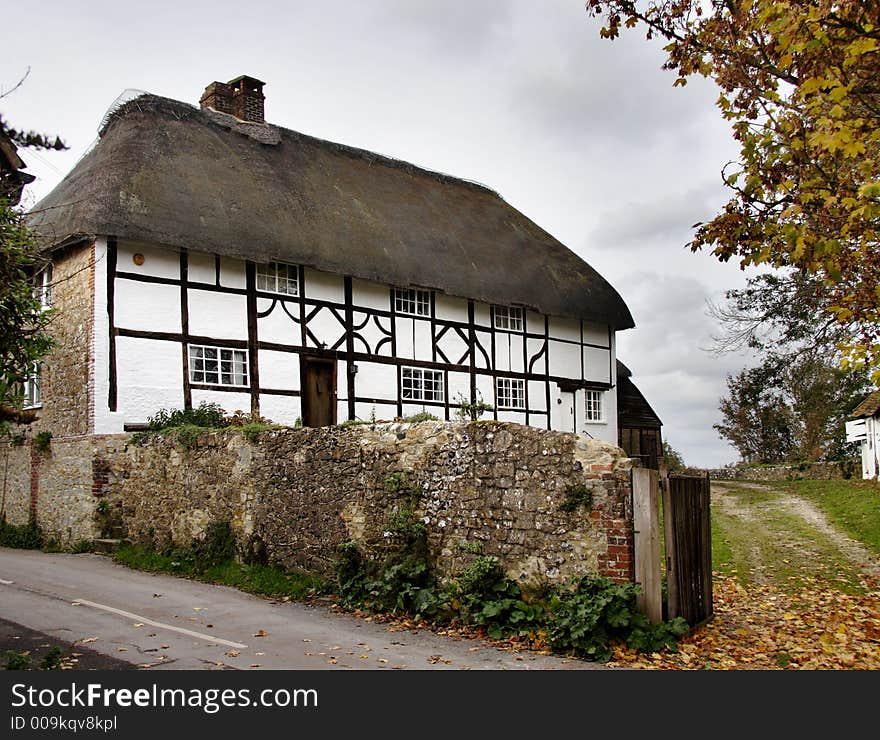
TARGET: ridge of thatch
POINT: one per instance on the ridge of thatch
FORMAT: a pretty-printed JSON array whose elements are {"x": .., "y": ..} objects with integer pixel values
[{"x": 168, "y": 173}]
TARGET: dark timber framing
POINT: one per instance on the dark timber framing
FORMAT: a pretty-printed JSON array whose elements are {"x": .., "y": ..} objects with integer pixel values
[
  {"x": 301, "y": 309},
  {"x": 111, "y": 316}
]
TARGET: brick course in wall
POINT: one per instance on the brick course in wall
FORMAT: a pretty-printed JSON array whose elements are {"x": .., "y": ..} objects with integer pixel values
[{"x": 481, "y": 488}]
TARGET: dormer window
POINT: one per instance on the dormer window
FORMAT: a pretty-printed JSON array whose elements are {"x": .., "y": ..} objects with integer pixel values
[
  {"x": 412, "y": 302},
  {"x": 509, "y": 318},
  {"x": 278, "y": 277}
]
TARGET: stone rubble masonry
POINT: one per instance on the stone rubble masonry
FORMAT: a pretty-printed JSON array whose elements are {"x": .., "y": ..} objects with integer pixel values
[
  {"x": 488, "y": 488},
  {"x": 838, "y": 470},
  {"x": 67, "y": 374}
]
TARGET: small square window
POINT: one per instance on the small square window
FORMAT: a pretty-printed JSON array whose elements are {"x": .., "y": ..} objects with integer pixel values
[
  {"x": 418, "y": 384},
  {"x": 218, "y": 366},
  {"x": 595, "y": 406},
  {"x": 510, "y": 393},
  {"x": 278, "y": 277},
  {"x": 412, "y": 302},
  {"x": 508, "y": 317}
]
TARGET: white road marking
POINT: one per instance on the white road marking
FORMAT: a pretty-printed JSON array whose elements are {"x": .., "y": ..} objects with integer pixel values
[
  {"x": 160, "y": 625},
  {"x": 5, "y": 582}
]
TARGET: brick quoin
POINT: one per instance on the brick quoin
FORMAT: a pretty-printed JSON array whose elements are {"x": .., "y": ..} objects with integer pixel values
[
  {"x": 615, "y": 518},
  {"x": 35, "y": 481}
]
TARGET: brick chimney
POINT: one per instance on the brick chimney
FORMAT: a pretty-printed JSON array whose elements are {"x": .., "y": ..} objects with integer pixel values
[{"x": 242, "y": 97}]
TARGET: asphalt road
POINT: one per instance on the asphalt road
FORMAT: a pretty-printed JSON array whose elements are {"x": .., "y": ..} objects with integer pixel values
[{"x": 159, "y": 622}]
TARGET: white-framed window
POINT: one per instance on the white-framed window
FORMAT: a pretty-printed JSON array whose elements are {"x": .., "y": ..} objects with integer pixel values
[
  {"x": 510, "y": 393},
  {"x": 508, "y": 317},
  {"x": 33, "y": 397},
  {"x": 419, "y": 384},
  {"x": 278, "y": 277},
  {"x": 42, "y": 290},
  {"x": 412, "y": 301},
  {"x": 218, "y": 366},
  {"x": 595, "y": 406}
]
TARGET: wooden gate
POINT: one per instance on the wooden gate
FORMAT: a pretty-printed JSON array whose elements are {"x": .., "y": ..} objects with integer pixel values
[{"x": 687, "y": 537}]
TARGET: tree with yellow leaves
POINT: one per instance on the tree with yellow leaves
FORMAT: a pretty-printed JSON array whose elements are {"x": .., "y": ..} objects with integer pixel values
[{"x": 800, "y": 83}]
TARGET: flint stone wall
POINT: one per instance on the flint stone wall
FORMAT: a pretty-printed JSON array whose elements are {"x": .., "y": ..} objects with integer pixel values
[{"x": 481, "y": 488}]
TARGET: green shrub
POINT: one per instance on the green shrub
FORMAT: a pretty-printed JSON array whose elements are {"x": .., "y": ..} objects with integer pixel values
[
  {"x": 22, "y": 536},
  {"x": 421, "y": 416},
  {"x": 596, "y": 610},
  {"x": 42, "y": 441},
  {"x": 576, "y": 496},
  {"x": 17, "y": 661},
  {"x": 52, "y": 660},
  {"x": 217, "y": 546},
  {"x": 206, "y": 416},
  {"x": 81, "y": 546}
]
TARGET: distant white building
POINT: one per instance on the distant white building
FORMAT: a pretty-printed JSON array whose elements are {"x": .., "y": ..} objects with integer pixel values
[{"x": 864, "y": 427}]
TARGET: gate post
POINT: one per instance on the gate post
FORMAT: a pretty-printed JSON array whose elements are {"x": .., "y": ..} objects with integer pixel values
[{"x": 646, "y": 530}]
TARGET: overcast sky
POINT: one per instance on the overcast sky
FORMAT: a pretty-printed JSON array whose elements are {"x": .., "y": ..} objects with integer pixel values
[{"x": 587, "y": 137}]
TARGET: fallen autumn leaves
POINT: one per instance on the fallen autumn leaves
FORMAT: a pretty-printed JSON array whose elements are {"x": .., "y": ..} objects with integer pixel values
[{"x": 762, "y": 627}]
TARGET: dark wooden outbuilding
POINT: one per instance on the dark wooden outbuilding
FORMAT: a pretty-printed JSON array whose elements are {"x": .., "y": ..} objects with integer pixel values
[{"x": 638, "y": 427}]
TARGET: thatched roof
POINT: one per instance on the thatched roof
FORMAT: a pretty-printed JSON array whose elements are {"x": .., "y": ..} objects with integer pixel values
[{"x": 169, "y": 173}]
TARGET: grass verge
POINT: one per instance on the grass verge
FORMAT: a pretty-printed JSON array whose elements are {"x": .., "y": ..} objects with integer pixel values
[
  {"x": 264, "y": 580},
  {"x": 852, "y": 505}
]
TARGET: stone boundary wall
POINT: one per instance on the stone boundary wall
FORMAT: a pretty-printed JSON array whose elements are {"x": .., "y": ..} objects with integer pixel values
[
  {"x": 488, "y": 488},
  {"x": 795, "y": 471}
]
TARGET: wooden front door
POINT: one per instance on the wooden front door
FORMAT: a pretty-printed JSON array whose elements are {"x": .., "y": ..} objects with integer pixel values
[{"x": 318, "y": 377}]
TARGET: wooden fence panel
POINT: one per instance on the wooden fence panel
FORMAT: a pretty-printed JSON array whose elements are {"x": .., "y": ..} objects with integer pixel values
[
  {"x": 646, "y": 526},
  {"x": 688, "y": 538}
]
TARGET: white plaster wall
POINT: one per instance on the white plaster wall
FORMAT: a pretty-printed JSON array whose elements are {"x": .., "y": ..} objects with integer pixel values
[
  {"x": 534, "y": 322},
  {"x": 561, "y": 328},
  {"x": 481, "y": 314},
  {"x": 232, "y": 273},
  {"x": 374, "y": 380},
  {"x": 372, "y": 335},
  {"x": 485, "y": 389},
  {"x": 423, "y": 349},
  {"x": 201, "y": 268},
  {"x": 450, "y": 308},
  {"x": 384, "y": 411},
  {"x": 149, "y": 377},
  {"x": 485, "y": 339},
  {"x": 606, "y": 431},
  {"x": 517, "y": 417},
  {"x": 453, "y": 346},
  {"x": 278, "y": 327},
  {"x": 459, "y": 385},
  {"x": 279, "y": 370},
  {"x": 404, "y": 335},
  {"x": 147, "y": 306},
  {"x": 280, "y": 409},
  {"x": 103, "y": 421},
  {"x": 324, "y": 286},
  {"x": 597, "y": 365},
  {"x": 538, "y": 398},
  {"x": 229, "y": 402},
  {"x": 565, "y": 361},
  {"x": 217, "y": 315},
  {"x": 595, "y": 334},
  {"x": 158, "y": 262},
  {"x": 370, "y": 295},
  {"x": 326, "y": 328}
]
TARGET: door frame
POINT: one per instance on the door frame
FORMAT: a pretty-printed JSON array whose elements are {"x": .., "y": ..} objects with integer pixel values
[{"x": 307, "y": 360}]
